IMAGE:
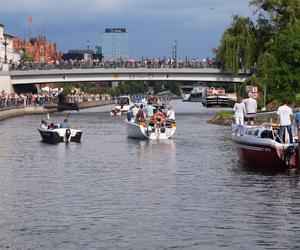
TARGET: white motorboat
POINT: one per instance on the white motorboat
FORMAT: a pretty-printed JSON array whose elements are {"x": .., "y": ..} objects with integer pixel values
[
  {"x": 56, "y": 135},
  {"x": 123, "y": 104},
  {"x": 198, "y": 92},
  {"x": 159, "y": 128},
  {"x": 186, "y": 97}
]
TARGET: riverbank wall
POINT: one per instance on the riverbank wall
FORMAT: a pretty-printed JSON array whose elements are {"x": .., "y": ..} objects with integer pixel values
[{"x": 10, "y": 112}]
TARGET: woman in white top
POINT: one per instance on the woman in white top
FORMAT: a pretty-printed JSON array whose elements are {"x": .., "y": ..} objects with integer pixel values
[{"x": 239, "y": 112}]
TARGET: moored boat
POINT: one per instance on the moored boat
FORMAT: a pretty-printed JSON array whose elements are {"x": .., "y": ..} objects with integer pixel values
[
  {"x": 216, "y": 97},
  {"x": 261, "y": 147}
]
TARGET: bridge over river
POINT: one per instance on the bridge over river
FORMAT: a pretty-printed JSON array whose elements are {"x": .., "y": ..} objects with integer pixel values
[{"x": 19, "y": 77}]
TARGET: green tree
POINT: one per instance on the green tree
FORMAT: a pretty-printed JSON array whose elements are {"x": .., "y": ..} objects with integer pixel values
[
  {"x": 26, "y": 57},
  {"x": 283, "y": 13},
  {"x": 237, "y": 45},
  {"x": 174, "y": 88}
]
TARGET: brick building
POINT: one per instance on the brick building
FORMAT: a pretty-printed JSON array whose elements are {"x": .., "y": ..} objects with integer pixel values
[{"x": 38, "y": 49}]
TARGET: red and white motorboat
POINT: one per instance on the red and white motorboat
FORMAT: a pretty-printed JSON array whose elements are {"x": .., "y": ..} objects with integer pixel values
[{"x": 261, "y": 147}]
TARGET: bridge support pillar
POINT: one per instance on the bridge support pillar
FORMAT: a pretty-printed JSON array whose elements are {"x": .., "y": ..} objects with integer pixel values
[{"x": 5, "y": 83}]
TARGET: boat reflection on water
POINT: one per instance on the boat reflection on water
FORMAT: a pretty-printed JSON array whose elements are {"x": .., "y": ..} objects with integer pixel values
[{"x": 159, "y": 151}]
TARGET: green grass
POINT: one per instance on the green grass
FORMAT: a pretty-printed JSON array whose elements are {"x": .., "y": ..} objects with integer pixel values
[{"x": 225, "y": 114}]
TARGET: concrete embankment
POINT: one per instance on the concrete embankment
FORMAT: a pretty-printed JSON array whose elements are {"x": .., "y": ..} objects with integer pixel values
[
  {"x": 10, "y": 112},
  {"x": 19, "y": 111}
]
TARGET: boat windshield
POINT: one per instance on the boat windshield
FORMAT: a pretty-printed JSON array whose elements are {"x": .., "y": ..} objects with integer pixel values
[{"x": 123, "y": 100}]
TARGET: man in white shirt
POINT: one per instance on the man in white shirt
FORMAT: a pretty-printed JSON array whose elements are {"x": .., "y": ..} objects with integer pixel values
[
  {"x": 285, "y": 116},
  {"x": 251, "y": 108}
]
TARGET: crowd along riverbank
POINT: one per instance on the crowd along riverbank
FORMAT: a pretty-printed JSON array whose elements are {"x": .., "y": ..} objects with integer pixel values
[{"x": 10, "y": 112}]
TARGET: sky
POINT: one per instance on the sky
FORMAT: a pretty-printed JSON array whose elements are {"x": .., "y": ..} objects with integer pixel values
[{"x": 152, "y": 25}]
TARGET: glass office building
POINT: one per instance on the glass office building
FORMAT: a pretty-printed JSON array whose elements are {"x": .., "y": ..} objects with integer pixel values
[{"x": 115, "y": 44}]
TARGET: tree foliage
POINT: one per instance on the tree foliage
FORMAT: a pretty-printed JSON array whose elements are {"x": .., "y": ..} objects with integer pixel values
[
  {"x": 26, "y": 57},
  {"x": 282, "y": 13},
  {"x": 271, "y": 48},
  {"x": 237, "y": 45}
]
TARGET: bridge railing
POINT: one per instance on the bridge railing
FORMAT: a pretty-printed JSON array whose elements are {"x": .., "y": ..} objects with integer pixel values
[{"x": 73, "y": 64}]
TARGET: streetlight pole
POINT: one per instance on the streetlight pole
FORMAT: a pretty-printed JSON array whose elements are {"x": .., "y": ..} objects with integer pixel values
[
  {"x": 175, "y": 52},
  {"x": 5, "y": 43}
]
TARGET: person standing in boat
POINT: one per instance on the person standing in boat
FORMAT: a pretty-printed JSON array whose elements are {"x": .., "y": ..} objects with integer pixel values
[
  {"x": 285, "y": 117},
  {"x": 135, "y": 111},
  {"x": 251, "y": 108},
  {"x": 239, "y": 112},
  {"x": 170, "y": 113},
  {"x": 150, "y": 110},
  {"x": 141, "y": 113}
]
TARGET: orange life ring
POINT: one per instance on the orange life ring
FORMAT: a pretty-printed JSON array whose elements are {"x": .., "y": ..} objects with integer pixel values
[{"x": 161, "y": 117}]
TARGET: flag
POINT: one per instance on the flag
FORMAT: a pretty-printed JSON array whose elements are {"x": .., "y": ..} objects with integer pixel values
[{"x": 30, "y": 20}]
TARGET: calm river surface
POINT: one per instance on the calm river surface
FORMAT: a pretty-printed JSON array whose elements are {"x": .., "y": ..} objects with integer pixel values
[{"x": 112, "y": 192}]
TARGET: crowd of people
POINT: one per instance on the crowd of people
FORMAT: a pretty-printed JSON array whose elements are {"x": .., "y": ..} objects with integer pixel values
[
  {"x": 25, "y": 99},
  {"x": 151, "y": 113},
  {"x": 41, "y": 99},
  {"x": 120, "y": 63}
]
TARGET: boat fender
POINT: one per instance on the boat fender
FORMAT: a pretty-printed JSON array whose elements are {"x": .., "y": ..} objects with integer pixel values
[
  {"x": 68, "y": 134},
  {"x": 159, "y": 118}
]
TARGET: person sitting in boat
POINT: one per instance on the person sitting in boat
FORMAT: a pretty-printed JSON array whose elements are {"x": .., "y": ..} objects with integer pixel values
[
  {"x": 43, "y": 125},
  {"x": 52, "y": 126},
  {"x": 239, "y": 111},
  {"x": 64, "y": 124},
  {"x": 141, "y": 115}
]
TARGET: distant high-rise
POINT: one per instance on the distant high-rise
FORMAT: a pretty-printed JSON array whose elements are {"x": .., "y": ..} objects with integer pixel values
[{"x": 115, "y": 44}]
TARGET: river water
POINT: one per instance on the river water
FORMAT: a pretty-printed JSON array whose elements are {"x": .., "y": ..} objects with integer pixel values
[{"x": 112, "y": 192}]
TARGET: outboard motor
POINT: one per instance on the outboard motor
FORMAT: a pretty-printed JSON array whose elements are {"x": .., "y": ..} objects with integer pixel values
[
  {"x": 288, "y": 153},
  {"x": 68, "y": 135}
]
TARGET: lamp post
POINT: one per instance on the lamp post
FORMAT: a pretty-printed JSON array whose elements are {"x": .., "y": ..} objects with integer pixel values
[
  {"x": 5, "y": 43},
  {"x": 175, "y": 52},
  {"x": 172, "y": 52}
]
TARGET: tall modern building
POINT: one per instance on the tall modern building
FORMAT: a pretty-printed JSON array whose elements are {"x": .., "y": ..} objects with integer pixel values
[{"x": 115, "y": 44}]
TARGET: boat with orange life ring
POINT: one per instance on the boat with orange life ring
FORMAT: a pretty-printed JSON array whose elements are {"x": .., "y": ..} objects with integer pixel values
[
  {"x": 158, "y": 128},
  {"x": 159, "y": 118}
]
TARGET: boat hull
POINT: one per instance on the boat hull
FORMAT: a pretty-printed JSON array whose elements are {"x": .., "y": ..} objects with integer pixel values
[
  {"x": 138, "y": 131},
  {"x": 263, "y": 153},
  {"x": 54, "y": 136}
]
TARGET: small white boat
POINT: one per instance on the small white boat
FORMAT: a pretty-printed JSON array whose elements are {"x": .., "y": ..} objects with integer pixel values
[
  {"x": 157, "y": 128},
  {"x": 123, "y": 104},
  {"x": 56, "y": 135},
  {"x": 186, "y": 97},
  {"x": 198, "y": 92}
]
